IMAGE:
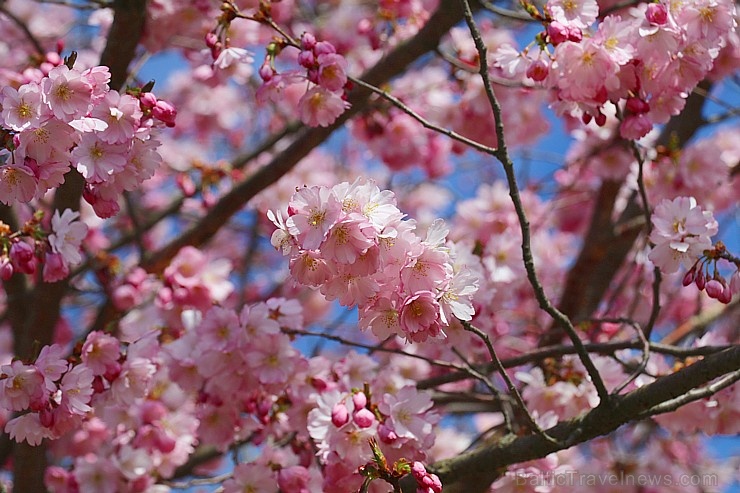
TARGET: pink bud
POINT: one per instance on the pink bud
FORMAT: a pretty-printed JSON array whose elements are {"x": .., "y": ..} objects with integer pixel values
[
  {"x": 359, "y": 400},
  {"x": 637, "y": 106},
  {"x": 308, "y": 41},
  {"x": 148, "y": 100},
  {"x": 418, "y": 470},
  {"x": 363, "y": 418},
  {"x": 689, "y": 277},
  {"x": 266, "y": 71},
  {"x": 600, "y": 119},
  {"x": 163, "y": 441},
  {"x": 339, "y": 415},
  {"x": 164, "y": 112},
  {"x": 324, "y": 47},
  {"x": 211, "y": 39},
  {"x": 152, "y": 411},
  {"x": 657, "y": 14},
  {"x": 575, "y": 34},
  {"x": 306, "y": 59},
  {"x": 726, "y": 295},
  {"x": 701, "y": 281},
  {"x": 46, "y": 417},
  {"x": 538, "y": 70},
  {"x": 6, "y": 269},
  {"x": 714, "y": 288},
  {"x": 557, "y": 32},
  {"x": 635, "y": 127}
]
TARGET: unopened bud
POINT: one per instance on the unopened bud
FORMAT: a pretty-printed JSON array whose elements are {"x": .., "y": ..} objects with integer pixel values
[{"x": 339, "y": 415}]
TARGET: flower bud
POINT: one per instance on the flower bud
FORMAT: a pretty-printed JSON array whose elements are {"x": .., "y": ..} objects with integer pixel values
[
  {"x": 657, "y": 14},
  {"x": 339, "y": 415},
  {"x": 688, "y": 278},
  {"x": 538, "y": 70},
  {"x": 714, "y": 288},
  {"x": 363, "y": 418},
  {"x": 557, "y": 32},
  {"x": 359, "y": 400},
  {"x": 308, "y": 41},
  {"x": 701, "y": 281}
]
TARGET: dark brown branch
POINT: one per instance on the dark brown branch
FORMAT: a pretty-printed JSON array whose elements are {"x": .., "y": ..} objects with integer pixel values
[{"x": 474, "y": 471}]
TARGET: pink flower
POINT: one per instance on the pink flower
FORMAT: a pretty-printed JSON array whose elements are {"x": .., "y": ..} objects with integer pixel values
[
  {"x": 23, "y": 108},
  {"x": 76, "y": 387},
  {"x": 67, "y": 235},
  {"x": 52, "y": 365},
  {"x": 332, "y": 71},
  {"x": 320, "y": 107},
  {"x": 121, "y": 113},
  {"x": 55, "y": 268},
  {"x": 576, "y": 13},
  {"x": 251, "y": 477},
  {"x": 232, "y": 55},
  {"x": 313, "y": 212},
  {"x": 28, "y": 427},
  {"x": 419, "y": 316},
  {"x": 100, "y": 352},
  {"x": 407, "y": 414},
  {"x": 97, "y": 160},
  {"x": 635, "y": 127},
  {"x": 67, "y": 93},
  {"x": 17, "y": 184},
  {"x": 23, "y": 386}
]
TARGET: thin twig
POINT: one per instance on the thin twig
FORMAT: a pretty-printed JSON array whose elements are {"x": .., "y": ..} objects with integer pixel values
[
  {"x": 511, "y": 14},
  {"x": 424, "y": 122},
  {"x": 509, "y": 384},
  {"x": 503, "y": 156}
]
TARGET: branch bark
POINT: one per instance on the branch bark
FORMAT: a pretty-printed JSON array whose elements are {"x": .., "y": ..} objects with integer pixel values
[{"x": 475, "y": 470}]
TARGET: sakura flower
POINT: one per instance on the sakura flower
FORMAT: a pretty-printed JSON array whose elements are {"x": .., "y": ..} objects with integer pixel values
[
  {"x": 313, "y": 212},
  {"x": 52, "y": 365},
  {"x": 17, "y": 184},
  {"x": 232, "y": 55},
  {"x": 121, "y": 114},
  {"x": 681, "y": 233},
  {"x": 320, "y": 107},
  {"x": 97, "y": 160},
  {"x": 251, "y": 477},
  {"x": 76, "y": 387},
  {"x": 100, "y": 352},
  {"x": 22, "y": 108},
  {"x": 67, "y": 93},
  {"x": 332, "y": 71},
  {"x": 55, "y": 268},
  {"x": 21, "y": 387},
  {"x": 67, "y": 235},
  {"x": 419, "y": 316},
  {"x": 576, "y": 13},
  {"x": 27, "y": 428},
  {"x": 406, "y": 411}
]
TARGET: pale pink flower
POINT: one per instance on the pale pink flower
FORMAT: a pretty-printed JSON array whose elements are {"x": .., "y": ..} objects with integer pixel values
[
  {"x": 50, "y": 142},
  {"x": 681, "y": 232},
  {"x": 348, "y": 239},
  {"x": 232, "y": 55},
  {"x": 407, "y": 414},
  {"x": 320, "y": 107},
  {"x": 122, "y": 115},
  {"x": 67, "y": 92},
  {"x": 381, "y": 317},
  {"x": 97, "y": 474},
  {"x": 67, "y": 235},
  {"x": 100, "y": 352},
  {"x": 21, "y": 387},
  {"x": 23, "y": 108},
  {"x": 313, "y": 212},
  {"x": 27, "y": 427},
  {"x": 17, "y": 183},
  {"x": 419, "y": 316},
  {"x": 577, "y": 13},
  {"x": 55, "y": 268},
  {"x": 76, "y": 387},
  {"x": 52, "y": 365},
  {"x": 273, "y": 359},
  {"x": 97, "y": 160},
  {"x": 332, "y": 71}
]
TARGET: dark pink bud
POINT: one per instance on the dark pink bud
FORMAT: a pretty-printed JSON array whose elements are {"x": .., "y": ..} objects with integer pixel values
[
  {"x": 98, "y": 385},
  {"x": 306, "y": 59},
  {"x": 211, "y": 39},
  {"x": 363, "y": 418},
  {"x": 714, "y": 288},
  {"x": 163, "y": 441},
  {"x": 538, "y": 70},
  {"x": 53, "y": 58},
  {"x": 418, "y": 470},
  {"x": 657, "y": 14},
  {"x": 359, "y": 400},
  {"x": 575, "y": 34},
  {"x": 689, "y": 277},
  {"x": 726, "y": 295},
  {"x": 557, "y": 32},
  {"x": 148, "y": 100},
  {"x": 637, "y": 106},
  {"x": 339, "y": 415},
  {"x": 701, "y": 281},
  {"x": 324, "y": 47},
  {"x": 600, "y": 119},
  {"x": 308, "y": 41},
  {"x": 165, "y": 112},
  {"x": 266, "y": 71},
  {"x": 6, "y": 269}
]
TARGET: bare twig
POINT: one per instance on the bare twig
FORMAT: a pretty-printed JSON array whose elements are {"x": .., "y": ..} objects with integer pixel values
[{"x": 503, "y": 156}]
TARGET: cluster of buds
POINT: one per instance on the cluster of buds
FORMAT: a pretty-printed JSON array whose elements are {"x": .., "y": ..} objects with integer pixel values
[{"x": 715, "y": 285}]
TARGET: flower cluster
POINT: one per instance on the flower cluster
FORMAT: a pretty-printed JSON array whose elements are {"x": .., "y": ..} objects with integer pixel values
[
  {"x": 326, "y": 72},
  {"x": 70, "y": 118},
  {"x": 52, "y": 394},
  {"x": 681, "y": 233},
  {"x": 352, "y": 242},
  {"x": 651, "y": 59},
  {"x": 20, "y": 252}
]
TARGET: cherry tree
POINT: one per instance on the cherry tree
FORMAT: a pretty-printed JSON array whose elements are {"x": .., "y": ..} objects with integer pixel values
[{"x": 334, "y": 249}]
